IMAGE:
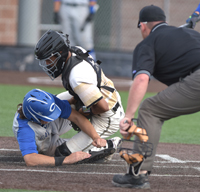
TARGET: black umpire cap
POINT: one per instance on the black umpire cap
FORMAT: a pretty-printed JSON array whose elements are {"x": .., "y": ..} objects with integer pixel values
[{"x": 151, "y": 13}]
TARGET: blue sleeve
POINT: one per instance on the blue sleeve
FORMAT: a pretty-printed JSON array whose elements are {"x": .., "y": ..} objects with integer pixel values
[
  {"x": 26, "y": 138},
  {"x": 198, "y": 8},
  {"x": 64, "y": 106}
]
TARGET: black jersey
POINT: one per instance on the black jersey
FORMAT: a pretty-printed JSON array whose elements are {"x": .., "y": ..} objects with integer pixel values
[{"x": 168, "y": 53}]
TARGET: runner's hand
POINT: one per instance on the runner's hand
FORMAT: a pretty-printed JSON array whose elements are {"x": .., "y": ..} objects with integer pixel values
[{"x": 75, "y": 157}]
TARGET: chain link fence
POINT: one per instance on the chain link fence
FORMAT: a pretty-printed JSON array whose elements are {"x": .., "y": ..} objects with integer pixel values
[
  {"x": 115, "y": 26},
  {"x": 115, "y": 31}
]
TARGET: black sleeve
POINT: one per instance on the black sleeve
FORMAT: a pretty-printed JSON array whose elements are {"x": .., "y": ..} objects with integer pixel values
[{"x": 143, "y": 59}]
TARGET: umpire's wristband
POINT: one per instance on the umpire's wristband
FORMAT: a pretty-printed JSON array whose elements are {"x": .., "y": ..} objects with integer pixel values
[{"x": 59, "y": 160}]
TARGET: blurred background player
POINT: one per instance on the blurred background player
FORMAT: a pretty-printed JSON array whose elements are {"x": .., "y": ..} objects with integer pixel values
[
  {"x": 77, "y": 19},
  {"x": 38, "y": 124},
  {"x": 194, "y": 17}
]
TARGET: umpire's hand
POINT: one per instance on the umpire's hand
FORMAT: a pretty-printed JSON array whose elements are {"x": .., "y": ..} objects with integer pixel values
[{"x": 124, "y": 125}]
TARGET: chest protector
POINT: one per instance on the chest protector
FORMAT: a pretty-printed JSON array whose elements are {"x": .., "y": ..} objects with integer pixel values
[{"x": 72, "y": 62}]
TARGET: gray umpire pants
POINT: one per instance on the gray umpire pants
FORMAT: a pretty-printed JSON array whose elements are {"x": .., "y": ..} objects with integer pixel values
[{"x": 178, "y": 99}]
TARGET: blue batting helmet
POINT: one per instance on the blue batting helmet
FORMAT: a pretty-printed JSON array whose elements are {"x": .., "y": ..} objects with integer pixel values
[{"x": 40, "y": 105}]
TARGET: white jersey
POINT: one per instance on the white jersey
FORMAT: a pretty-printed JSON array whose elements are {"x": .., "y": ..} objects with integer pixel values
[{"x": 83, "y": 80}]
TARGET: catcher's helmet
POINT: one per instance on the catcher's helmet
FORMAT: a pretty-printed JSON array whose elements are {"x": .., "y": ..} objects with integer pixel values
[
  {"x": 52, "y": 52},
  {"x": 40, "y": 105}
]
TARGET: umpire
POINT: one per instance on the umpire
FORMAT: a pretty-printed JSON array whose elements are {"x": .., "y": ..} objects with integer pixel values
[{"x": 171, "y": 55}]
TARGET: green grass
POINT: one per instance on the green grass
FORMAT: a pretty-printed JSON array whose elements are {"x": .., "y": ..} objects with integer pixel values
[
  {"x": 184, "y": 129},
  {"x": 10, "y": 97}
]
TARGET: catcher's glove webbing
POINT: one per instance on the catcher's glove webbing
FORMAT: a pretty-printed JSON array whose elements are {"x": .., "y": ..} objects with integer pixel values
[
  {"x": 131, "y": 159},
  {"x": 137, "y": 154},
  {"x": 140, "y": 132}
]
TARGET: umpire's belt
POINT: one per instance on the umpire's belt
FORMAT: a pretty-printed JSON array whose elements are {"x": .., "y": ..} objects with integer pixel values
[
  {"x": 192, "y": 71},
  {"x": 75, "y": 4},
  {"x": 116, "y": 107},
  {"x": 195, "y": 69}
]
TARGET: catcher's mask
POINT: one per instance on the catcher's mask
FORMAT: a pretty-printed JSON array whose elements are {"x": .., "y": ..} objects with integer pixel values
[
  {"x": 52, "y": 51},
  {"x": 134, "y": 152}
]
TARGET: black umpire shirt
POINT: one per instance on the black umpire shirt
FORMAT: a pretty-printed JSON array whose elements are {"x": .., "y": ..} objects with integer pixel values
[{"x": 168, "y": 53}]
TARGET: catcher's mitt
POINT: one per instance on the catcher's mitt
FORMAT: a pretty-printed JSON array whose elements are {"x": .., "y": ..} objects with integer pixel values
[
  {"x": 140, "y": 132},
  {"x": 137, "y": 154},
  {"x": 142, "y": 149}
]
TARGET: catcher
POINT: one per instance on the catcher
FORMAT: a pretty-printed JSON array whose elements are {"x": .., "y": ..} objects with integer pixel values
[
  {"x": 38, "y": 124},
  {"x": 93, "y": 94}
]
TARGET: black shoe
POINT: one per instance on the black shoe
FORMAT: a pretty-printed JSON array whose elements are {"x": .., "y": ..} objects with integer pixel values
[
  {"x": 131, "y": 181},
  {"x": 97, "y": 155}
]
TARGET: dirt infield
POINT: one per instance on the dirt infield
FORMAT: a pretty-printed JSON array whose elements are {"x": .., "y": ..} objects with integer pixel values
[{"x": 176, "y": 167}]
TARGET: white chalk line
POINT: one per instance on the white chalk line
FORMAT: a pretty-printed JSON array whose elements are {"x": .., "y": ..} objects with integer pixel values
[
  {"x": 168, "y": 158},
  {"x": 168, "y": 175},
  {"x": 44, "y": 80},
  {"x": 121, "y": 160},
  {"x": 169, "y": 162},
  {"x": 3, "y": 149},
  {"x": 114, "y": 165},
  {"x": 89, "y": 173},
  {"x": 48, "y": 81}
]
